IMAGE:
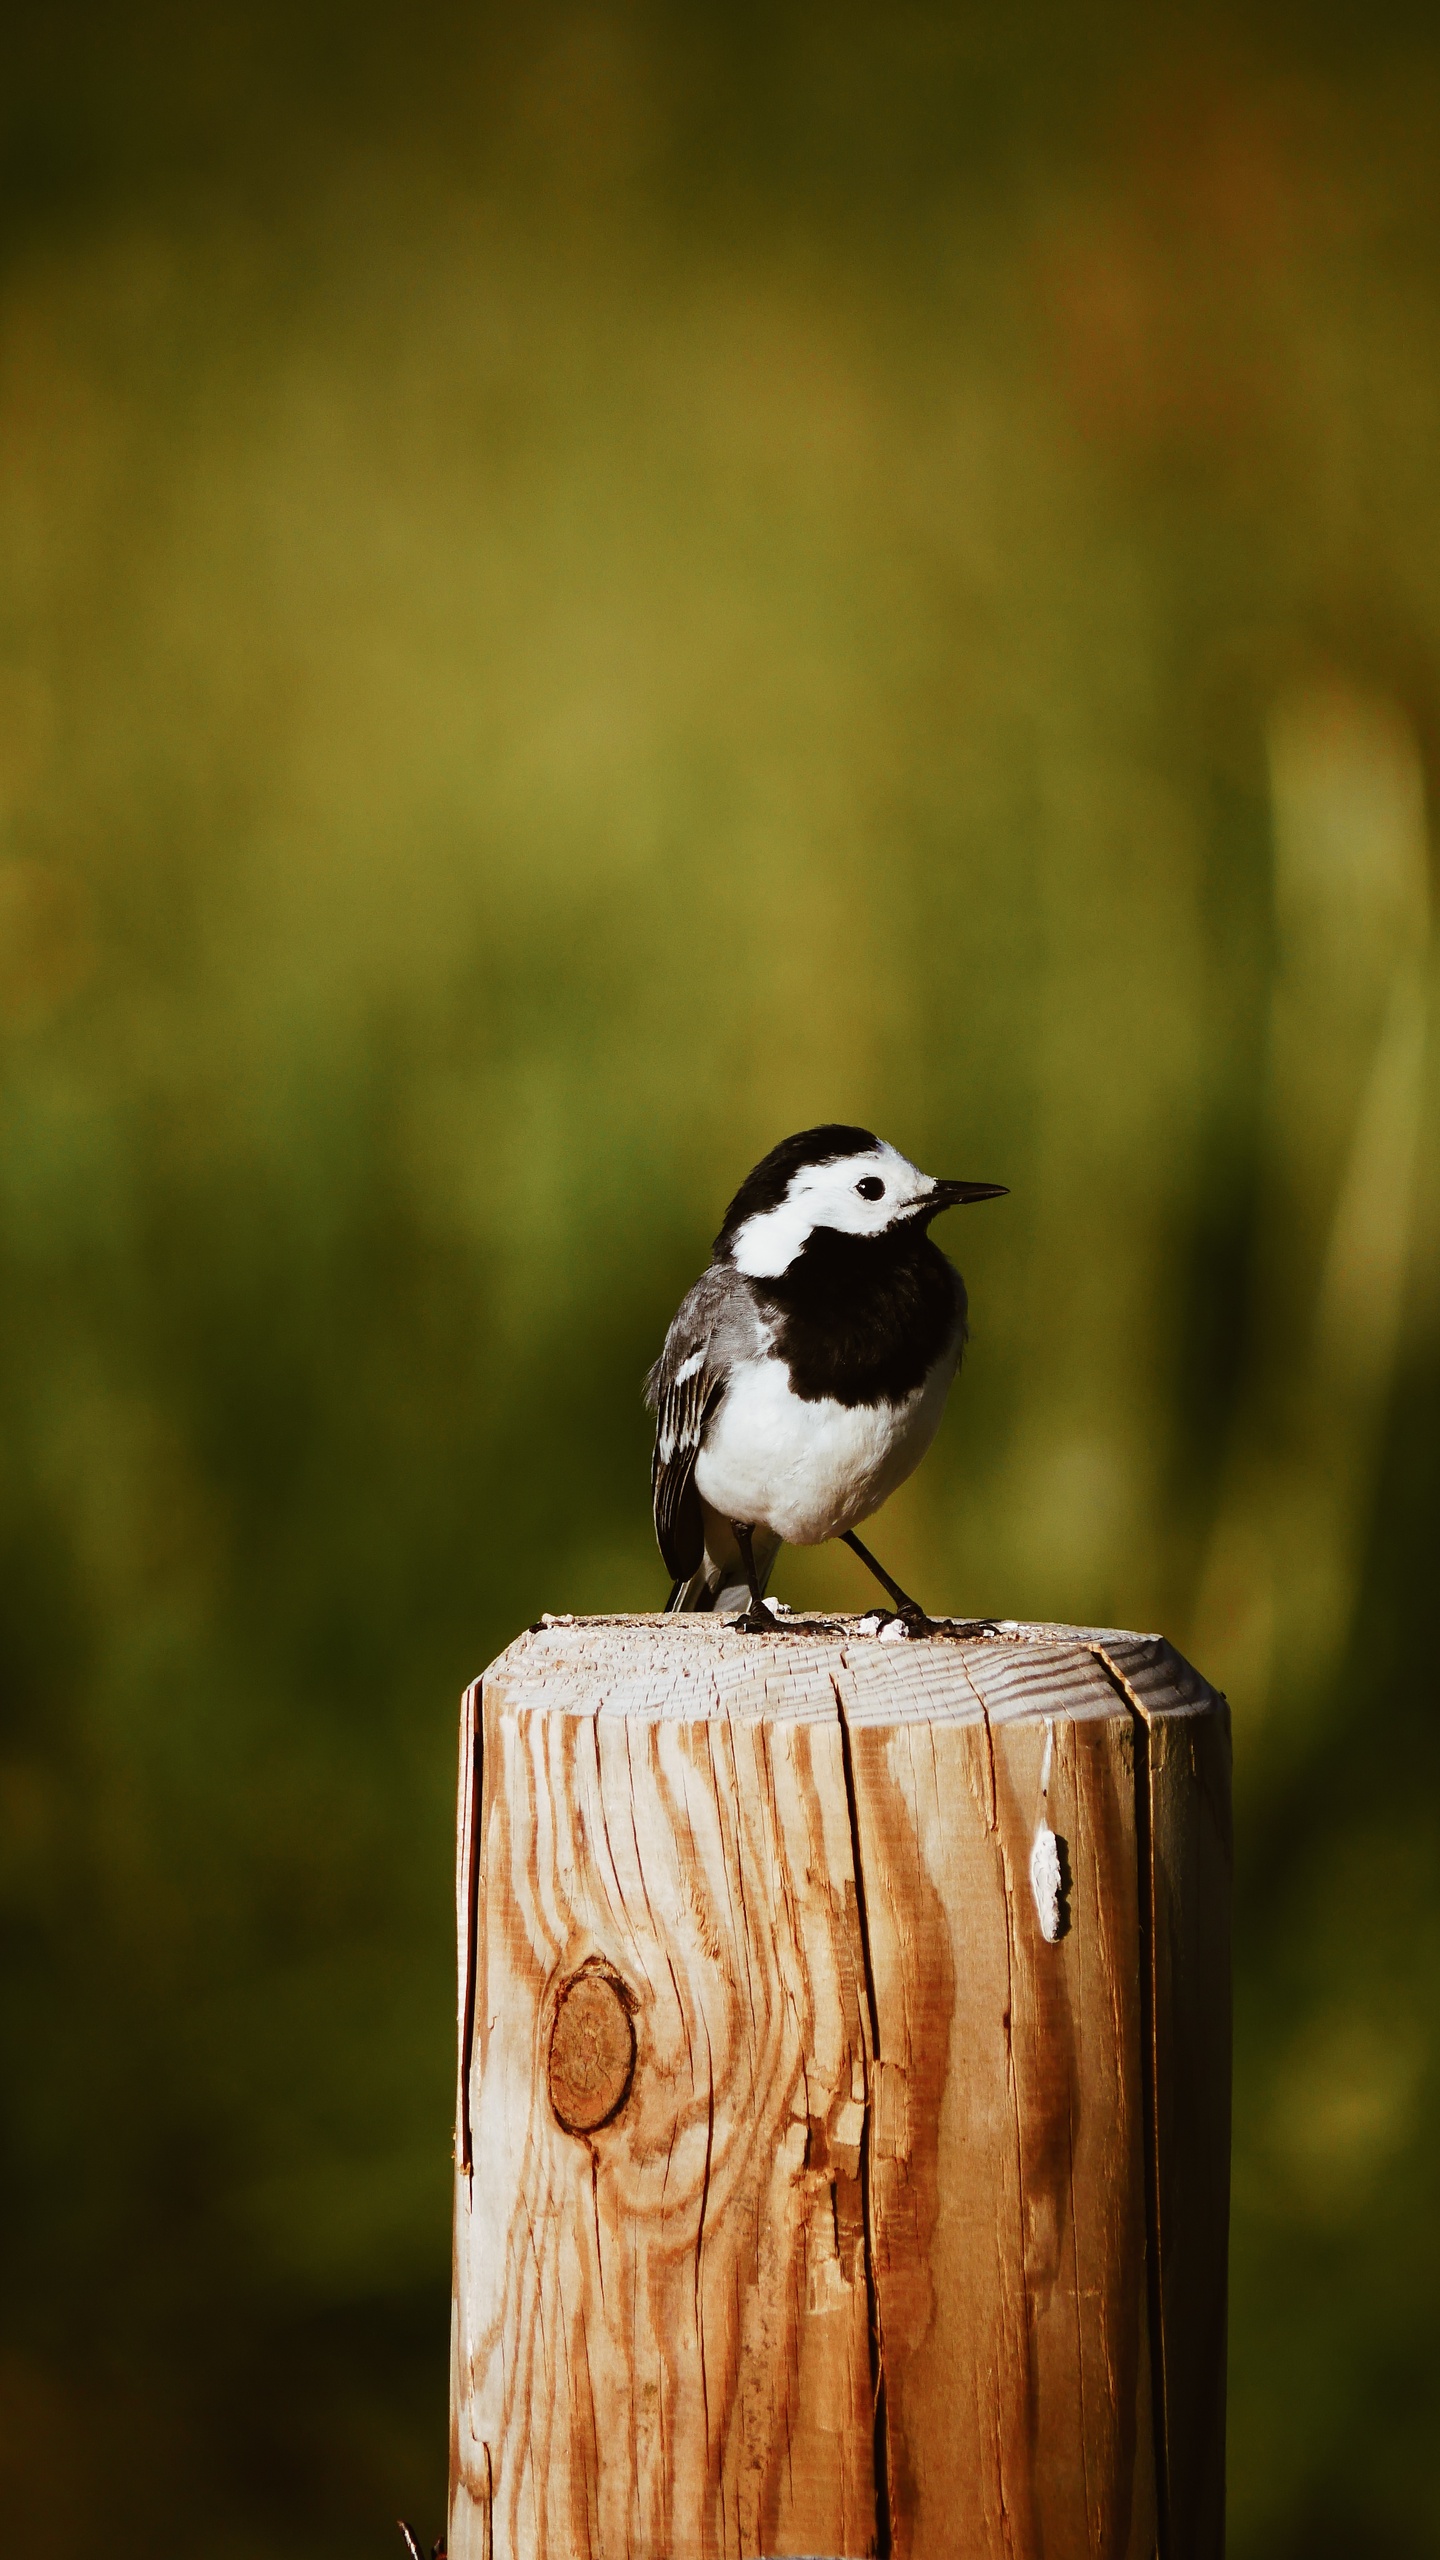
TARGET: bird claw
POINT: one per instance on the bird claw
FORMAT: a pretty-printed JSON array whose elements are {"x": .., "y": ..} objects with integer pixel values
[
  {"x": 914, "y": 1623},
  {"x": 757, "y": 1620},
  {"x": 896, "y": 1626}
]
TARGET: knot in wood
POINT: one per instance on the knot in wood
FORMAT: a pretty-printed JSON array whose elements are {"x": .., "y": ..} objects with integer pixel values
[{"x": 592, "y": 2050}]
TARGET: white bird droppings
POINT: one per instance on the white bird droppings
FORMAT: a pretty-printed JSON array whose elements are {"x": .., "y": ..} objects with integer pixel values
[
  {"x": 1045, "y": 1881},
  {"x": 1047, "y": 1874}
]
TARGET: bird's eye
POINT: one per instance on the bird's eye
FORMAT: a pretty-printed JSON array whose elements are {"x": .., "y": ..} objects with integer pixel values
[{"x": 870, "y": 1187}]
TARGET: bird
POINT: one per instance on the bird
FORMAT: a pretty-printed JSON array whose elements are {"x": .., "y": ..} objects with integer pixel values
[{"x": 805, "y": 1374}]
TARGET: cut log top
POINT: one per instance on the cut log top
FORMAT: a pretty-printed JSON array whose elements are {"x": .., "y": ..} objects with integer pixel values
[{"x": 688, "y": 1668}]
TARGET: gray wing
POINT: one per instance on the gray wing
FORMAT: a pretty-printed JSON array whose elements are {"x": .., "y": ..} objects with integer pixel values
[{"x": 716, "y": 1325}]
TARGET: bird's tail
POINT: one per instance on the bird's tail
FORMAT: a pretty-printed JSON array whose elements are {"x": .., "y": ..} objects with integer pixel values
[
  {"x": 719, "y": 1583},
  {"x": 694, "y": 1592}
]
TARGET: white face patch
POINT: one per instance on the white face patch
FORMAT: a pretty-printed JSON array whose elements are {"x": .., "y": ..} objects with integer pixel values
[{"x": 829, "y": 1195}]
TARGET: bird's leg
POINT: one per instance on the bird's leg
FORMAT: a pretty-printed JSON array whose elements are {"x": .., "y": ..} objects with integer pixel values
[
  {"x": 908, "y": 1609},
  {"x": 757, "y": 1617}
]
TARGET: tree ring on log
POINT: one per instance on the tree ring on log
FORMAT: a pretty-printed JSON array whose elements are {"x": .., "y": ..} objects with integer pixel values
[{"x": 592, "y": 2050}]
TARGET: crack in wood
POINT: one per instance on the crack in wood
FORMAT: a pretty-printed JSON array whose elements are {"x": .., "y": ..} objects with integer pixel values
[
  {"x": 470, "y": 1947},
  {"x": 881, "y": 2441},
  {"x": 1145, "y": 1907}
]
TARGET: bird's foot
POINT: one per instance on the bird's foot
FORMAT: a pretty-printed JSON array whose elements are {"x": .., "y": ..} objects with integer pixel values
[
  {"x": 913, "y": 1622},
  {"x": 896, "y": 1625},
  {"x": 758, "y": 1620}
]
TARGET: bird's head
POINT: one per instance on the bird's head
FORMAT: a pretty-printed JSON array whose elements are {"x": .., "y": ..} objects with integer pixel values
[{"x": 846, "y": 1180}]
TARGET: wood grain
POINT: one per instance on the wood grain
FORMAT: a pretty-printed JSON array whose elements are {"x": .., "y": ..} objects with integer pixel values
[
  {"x": 1191, "y": 1865},
  {"x": 855, "y": 2261}
]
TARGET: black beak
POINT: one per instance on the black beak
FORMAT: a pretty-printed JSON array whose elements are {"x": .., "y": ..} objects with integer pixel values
[{"x": 954, "y": 1195}]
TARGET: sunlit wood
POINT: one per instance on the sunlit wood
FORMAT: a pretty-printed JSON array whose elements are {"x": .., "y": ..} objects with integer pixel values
[{"x": 843, "y": 2108}]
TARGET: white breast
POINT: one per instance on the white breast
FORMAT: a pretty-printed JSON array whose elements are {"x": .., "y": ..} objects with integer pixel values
[{"x": 810, "y": 1471}]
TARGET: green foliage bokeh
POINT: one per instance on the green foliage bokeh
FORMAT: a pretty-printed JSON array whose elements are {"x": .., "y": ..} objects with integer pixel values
[{"x": 574, "y": 596}]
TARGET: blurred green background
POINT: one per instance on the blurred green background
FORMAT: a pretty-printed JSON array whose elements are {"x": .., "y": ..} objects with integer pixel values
[{"x": 579, "y": 590}]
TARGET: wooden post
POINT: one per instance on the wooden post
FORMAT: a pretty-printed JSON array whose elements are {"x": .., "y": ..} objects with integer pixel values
[{"x": 843, "y": 2127}]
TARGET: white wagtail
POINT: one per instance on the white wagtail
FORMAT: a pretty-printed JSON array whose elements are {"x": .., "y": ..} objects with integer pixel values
[{"x": 806, "y": 1372}]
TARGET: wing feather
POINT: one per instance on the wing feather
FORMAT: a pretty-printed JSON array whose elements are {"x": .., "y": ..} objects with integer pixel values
[
  {"x": 682, "y": 1414},
  {"x": 684, "y": 1388}
]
